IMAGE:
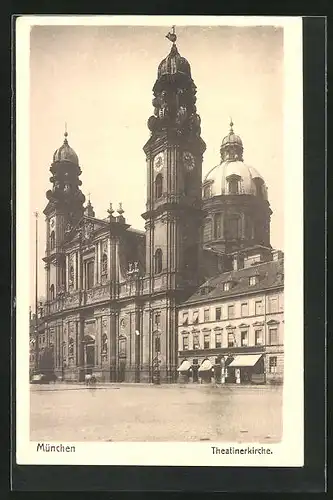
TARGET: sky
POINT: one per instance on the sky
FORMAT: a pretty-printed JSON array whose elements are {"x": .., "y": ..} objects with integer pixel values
[{"x": 99, "y": 79}]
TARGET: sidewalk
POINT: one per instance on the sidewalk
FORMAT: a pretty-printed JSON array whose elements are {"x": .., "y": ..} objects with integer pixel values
[{"x": 113, "y": 385}]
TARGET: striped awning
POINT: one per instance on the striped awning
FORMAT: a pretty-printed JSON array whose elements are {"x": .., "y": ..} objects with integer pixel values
[
  {"x": 245, "y": 360},
  {"x": 185, "y": 366},
  {"x": 205, "y": 366}
]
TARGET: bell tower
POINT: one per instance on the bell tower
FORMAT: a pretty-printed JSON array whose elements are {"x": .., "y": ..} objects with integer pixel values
[
  {"x": 174, "y": 154},
  {"x": 63, "y": 212}
]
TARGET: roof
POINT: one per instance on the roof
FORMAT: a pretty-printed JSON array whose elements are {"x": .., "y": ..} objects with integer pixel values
[{"x": 270, "y": 275}]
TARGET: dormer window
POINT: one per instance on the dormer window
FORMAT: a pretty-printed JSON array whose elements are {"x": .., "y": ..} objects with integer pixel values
[
  {"x": 259, "y": 184},
  {"x": 233, "y": 184},
  {"x": 253, "y": 280},
  {"x": 185, "y": 318},
  {"x": 195, "y": 319},
  {"x": 207, "y": 192},
  {"x": 226, "y": 286}
]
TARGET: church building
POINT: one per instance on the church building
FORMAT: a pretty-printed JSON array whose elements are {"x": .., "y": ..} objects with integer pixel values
[{"x": 116, "y": 296}]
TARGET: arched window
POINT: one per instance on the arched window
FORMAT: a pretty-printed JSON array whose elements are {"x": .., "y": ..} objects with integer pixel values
[
  {"x": 52, "y": 240},
  {"x": 158, "y": 261},
  {"x": 158, "y": 186},
  {"x": 52, "y": 292},
  {"x": 218, "y": 229}
]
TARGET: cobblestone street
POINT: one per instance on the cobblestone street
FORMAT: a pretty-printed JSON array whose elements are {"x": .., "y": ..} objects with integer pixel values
[{"x": 125, "y": 412}]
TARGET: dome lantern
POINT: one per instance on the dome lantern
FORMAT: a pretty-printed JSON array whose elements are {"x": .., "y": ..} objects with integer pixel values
[{"x": 232, "y": 146}]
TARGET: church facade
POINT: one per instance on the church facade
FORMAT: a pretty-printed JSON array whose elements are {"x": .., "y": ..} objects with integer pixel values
[{"x": 114, "y": 293}]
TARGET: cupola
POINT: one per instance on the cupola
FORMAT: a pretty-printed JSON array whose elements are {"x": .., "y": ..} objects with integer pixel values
[{"x": 65, "y": 153}]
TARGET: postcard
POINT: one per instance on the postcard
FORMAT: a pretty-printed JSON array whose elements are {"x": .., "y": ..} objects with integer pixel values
[{"x": 159, "y": 223}]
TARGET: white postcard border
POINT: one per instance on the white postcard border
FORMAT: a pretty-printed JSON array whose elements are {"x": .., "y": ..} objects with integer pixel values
[{"x": 290, "y": 451}]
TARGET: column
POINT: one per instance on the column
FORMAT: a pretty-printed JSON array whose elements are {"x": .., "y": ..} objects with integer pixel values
[
  {"x": 67, "y": 273},
  {"x": 109, "y": 259},
  {"x": 79, "y": 271},
  {"x": 100, "y": 262},
  {"x": 96, "y": 265},
  {"x": 75, "y": 268},
  {"x": 243, "y": 226},
  {"x": 222, "y": 225}
]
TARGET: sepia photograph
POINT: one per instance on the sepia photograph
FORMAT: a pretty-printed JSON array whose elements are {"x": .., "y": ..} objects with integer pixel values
[{"x": 160, "y": 298}]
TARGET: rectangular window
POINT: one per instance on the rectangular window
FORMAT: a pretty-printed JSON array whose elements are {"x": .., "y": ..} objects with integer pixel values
[
  {"x": 272, "y": 305},
  {"x": 231, "y": 312},
  {"x": 244, "y": 339},
  {"x": 90, "y": 274},
  {"x": 272, "y": 364},
  {"x": 258, "y": 337},
  {"x": 158, "y": 344},
  {"x": 258, "y": 307},
  {"x": 185, "y": 318},
  {"x": 226, "y": 286},
  {"x": 218, "y": 313},
  {"x": 218, "y": 340},
  {"x": 196, "y": 344},
  {"x": 273, "y": 336},
  {"x": 195, "y": 317},
  {"x": 185, "y": 343},
  {"x": 206, "y": 315},
  {"x": 244, "y": 309},
  {"x": 231, "y": 340},
  {"x": 207, "y": 341}
]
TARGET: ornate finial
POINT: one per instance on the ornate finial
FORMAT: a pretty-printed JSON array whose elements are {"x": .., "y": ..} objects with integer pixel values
[
  {"x": 120, "y": 209},
  {"x": 172, "y": 35},
  {"x": 110, "y": 211},
  {"x": 36, "y": 214},
  {"x": 88, "y": 194},
  {"x": 66, "y": 133},
  {"x": 231, "y": 125}
]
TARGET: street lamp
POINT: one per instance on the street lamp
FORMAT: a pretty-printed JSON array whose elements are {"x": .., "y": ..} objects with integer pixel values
[{"x": 137, "y": 355}]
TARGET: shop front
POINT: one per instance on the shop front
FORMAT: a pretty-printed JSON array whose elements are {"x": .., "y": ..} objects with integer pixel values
[{"x": 246, "y": 369}]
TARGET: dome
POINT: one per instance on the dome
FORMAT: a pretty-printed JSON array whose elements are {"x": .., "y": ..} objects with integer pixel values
[
  {"x": 65, "y": 153},
  {"x": 234, "y": 178},
  {"x": 232, "y": 138},
  {"x": 174, "y": 63}
]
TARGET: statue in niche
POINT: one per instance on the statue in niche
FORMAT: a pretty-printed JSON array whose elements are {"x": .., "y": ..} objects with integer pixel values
[
  {"x": 104, "y": 344},
  {"x": 71, "y": 278},
  {"x": 104, "y": 265},
  {"x": 71, "y": 347}
]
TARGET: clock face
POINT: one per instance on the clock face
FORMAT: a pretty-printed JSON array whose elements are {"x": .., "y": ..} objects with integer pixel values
[
  {"x": 158, "y": 162},
  {"x": 189, "y": 161}
]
